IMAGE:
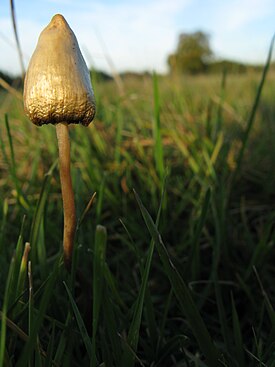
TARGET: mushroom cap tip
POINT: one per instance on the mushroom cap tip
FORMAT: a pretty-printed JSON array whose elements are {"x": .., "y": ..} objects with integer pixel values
[
  {"x": 58, "y": 20},
  {"x": 58, "y": 17}
]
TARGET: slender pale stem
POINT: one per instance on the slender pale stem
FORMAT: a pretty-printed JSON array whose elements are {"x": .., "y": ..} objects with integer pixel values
[{"x": 62, "y": 132}]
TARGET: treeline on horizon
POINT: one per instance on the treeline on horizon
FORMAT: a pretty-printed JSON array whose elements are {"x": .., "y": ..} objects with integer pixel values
[{"x": 214, "y": 67}]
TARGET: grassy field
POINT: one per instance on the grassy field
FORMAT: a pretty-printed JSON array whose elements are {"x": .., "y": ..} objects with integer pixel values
[{"x": 174, "y": 256}]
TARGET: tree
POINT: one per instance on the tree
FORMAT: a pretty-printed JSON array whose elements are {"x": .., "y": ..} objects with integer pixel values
[{"x": 192, "y": 55}]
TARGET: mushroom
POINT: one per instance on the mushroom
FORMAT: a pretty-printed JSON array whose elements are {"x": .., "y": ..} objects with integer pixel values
[{"x": 58, "y": 90}]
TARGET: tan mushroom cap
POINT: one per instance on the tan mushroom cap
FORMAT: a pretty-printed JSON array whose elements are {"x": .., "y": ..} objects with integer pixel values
[{"x": 57, "y": 84}]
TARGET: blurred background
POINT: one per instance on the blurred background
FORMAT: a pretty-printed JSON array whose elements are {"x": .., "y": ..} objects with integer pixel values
[{"x": 140, "y": 35}]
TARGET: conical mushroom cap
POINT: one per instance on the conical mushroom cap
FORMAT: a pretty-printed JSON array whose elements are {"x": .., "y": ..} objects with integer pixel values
[{"x": 57, "y": 84}]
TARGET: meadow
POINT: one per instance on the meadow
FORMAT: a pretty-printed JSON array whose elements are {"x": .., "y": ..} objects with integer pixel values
[{"x": 174, "y": 254}]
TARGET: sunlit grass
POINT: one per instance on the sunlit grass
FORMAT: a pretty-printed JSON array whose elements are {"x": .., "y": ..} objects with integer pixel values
[{"x": 179, "y": 273}]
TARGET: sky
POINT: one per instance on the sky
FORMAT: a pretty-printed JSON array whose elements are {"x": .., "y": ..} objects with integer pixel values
[{"x": 139, "y": 35}]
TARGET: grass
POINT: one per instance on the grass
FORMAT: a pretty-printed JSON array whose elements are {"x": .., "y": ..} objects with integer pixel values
[{"x": 173, "y": 262}]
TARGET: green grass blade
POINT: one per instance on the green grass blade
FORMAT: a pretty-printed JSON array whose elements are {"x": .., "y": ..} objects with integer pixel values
[
  {"x": 173, "y": 344},
  {"x": 22, "y": 270},
  {"x": 80, "y": 323},
  {"x": 219, "y": 124},
  {"x": 41, "y": 248},
  {"x": 38, "y": 218},
  {"x": 62, "y": 342},
  {"x": 110, "y": 281},
  {"x": 268, "y": 305},
  {"x": 13, "y": 165},
  {"x": 4, "y": 313},
  {"x": 98, "y": 277},
  {"x": 50, "y": 348},
  {"x": 182, "y": 293},
  {"x": 112, "y": 328},
  {"x": 133, "y": 335},
  {"x": 3, "y": 224},
  {"x": 150, "y": 314},
  {"x": 37, "y": 321},
  {"x": 195, "y": 245},
  {"x": 86, "y": 210},
  {"x": 3, "y": 149},
  {"x": 253, "y": 112},
  {"x": 151, "y": 319},
  {"x": 119, "y": 125},
  {"x": 222, "y": 316},
  {"x": 100, "y": 199},
  {"x": 131, "y": 243},
  {"x": 31, "y": 306},
  {"x": 237, "y": 334},
  {"x": 18, "y": 259},
  {"x": 158, "y": 148},
  {"x": 20, "y": 195},
  {"x": 164, "y": 320},
  {"x": 37, "y": 358}
]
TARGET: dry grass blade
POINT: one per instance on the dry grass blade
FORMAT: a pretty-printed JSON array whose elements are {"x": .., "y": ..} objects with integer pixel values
[
  {"x": 17, "y": 39},
  {"x": 10, "y": 89}
]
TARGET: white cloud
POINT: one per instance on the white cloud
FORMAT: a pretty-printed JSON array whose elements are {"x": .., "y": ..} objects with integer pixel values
[
  {"x": 62, "y": 2},
  {"x": 137, "y": 35},
  {"x": 236, "y": 14},
  {"x": 242, "y": 29}
]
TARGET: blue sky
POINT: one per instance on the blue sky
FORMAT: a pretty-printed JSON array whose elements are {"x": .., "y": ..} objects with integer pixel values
[{"x": 139, "y": 35}]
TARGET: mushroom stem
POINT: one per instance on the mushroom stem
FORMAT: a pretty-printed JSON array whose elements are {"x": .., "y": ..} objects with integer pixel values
[{"x": 62, "y": 132}]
